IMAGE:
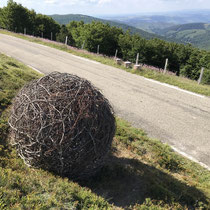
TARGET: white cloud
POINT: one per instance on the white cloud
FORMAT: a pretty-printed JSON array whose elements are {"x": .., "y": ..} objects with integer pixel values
[
  {"x": 98, "y": 7},
  {"x": 79, "y": 2},
  {"x": 104, "y": 1},
  {"x": 50, "y": 1}
]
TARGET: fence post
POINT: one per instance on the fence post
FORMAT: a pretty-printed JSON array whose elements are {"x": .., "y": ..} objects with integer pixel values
[
  {"x": 137, "y": 59},
  {"x": 83, "y": 45},
  {"x": 42, "y": 35},
  {"x": 66, "y": 41},
  {"x": 98, "y": 49},
  {"x": 201, "y": 75},
  {"x": 25, "y": 31},
  {"x": 115, "y": 57},
  {"x": 166, "y": 64},
  {"x": 51, "y": 36},
  {"x": 137, "y": 66}
]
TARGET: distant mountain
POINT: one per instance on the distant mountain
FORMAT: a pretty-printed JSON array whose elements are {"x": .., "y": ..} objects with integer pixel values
[
  {"x": 181, "y": 26},
  {"x": 153, "y": 22},
  {"x": 65, "y": 19},
  {"x": 197, "y": 34},
  {"x": 146, "y": 25},
  {"x": 152, "y": 27}
]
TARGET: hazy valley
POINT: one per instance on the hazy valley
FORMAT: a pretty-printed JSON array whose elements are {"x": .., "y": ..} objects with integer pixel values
[{"x": 186, "y": 26}]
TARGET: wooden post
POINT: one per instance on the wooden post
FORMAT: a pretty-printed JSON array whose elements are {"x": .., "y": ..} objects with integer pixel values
[
  {"x": 15, "y": 29},
  {"x": 83, "y": 45},
  {"x": 51, "y": 36},
  {"x": 98, "y": 49},
  {"x": 42, "y": 34},
  {"x": 25, "y": 31},
  {"x": 115, "y": 57},
  {"x": 66, "y": 41},
  {"x": 137, "y": 66},
  {"x": 137, "y": 59},
  {"x": 201, "y": 75},
  {"x": 166, "y": 64}
]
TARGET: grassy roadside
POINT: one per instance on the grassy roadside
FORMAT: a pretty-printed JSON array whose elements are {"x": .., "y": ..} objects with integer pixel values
[
  {"x": 180, "y": 82},
  {"x": 140, "y": 173}
]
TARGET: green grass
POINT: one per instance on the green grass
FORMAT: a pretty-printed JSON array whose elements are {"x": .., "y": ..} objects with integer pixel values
[
  {"x": 180, "y": 82},
  {"x": 140, "y": 173},
  {"x": 20, "y": 186}
]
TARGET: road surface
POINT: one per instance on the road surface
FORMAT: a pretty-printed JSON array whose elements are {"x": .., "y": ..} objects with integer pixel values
[{"x": 179, "y": 118}]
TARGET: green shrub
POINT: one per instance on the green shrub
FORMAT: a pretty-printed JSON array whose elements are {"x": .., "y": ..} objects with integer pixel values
[{"x": 206, "y": 77}]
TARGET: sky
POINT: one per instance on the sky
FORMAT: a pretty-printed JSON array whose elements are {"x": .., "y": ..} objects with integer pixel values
[{"x": 110, "y": 7}]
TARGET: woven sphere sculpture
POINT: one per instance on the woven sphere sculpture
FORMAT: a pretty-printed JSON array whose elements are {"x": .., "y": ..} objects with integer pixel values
[{"x": 63, "y": 124}]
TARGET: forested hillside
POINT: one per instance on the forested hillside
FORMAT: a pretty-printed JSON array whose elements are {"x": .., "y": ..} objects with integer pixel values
[
  {"x": 153, "y": 22},
  {"x": 151, "y": 27},
  {"x": 184, "y": 60},
  {"x": 185, "y": 26},
  {"x": 197, "y": 34},
  {"x": 65, "y": 19},
  {"x": 146, "y": 23}
]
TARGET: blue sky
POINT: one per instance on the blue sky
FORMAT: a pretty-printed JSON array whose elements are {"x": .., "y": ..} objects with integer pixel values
[{"x": 110, "y": 7}]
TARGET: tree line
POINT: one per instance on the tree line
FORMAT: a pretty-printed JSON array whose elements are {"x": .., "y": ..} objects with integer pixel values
[
  {"x": 184, "y": 60},
  {"x": 15, "y": 17}
]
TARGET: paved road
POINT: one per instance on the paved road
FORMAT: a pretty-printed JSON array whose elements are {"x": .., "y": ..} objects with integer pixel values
[{"x": 179, "y": 118}]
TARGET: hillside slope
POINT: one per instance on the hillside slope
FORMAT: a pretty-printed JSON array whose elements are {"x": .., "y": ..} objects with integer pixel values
[
  {"x": 197, "y": 34},
  {"x": 65, "y": 19},
  {"x": 146, "y": 23},
  {"x": 156, "y": 21}
]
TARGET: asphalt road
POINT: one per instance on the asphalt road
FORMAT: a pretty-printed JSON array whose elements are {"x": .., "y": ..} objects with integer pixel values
[{"x": 177, "y": 117}]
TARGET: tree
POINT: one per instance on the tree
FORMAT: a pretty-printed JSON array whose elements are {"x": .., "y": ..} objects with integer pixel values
[
  {"x": 45, "y": 25},
  {"x": 192, "y": 67},
  {"x": 205, "y": 62},
  {"x": 15, "y": 17},
  {"x": 64, "y": 32},
  {"x": 130, "y": 45},
  {"x": 75, "y": 29},
  {"x": 94, "y": 34}
]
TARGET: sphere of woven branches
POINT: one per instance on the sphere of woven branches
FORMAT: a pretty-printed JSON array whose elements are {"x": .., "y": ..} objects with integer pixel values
[{"x": 63, "y": 124}]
